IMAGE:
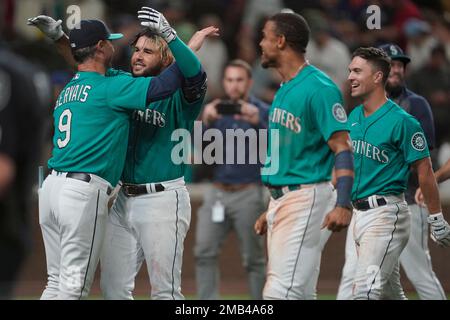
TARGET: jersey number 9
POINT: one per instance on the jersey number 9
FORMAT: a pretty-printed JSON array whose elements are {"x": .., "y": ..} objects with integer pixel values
[{"x": 64, "y": 127}]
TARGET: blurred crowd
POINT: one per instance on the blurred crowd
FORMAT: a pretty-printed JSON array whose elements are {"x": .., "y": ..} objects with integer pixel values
[{"x": 422, "y": 28}]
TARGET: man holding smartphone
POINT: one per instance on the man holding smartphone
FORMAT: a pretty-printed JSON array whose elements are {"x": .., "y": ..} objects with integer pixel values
[{"x": 236, "y": 198}]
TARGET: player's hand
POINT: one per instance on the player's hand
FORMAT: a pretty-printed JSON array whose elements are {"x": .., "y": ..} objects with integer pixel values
[
  {"x": 338, "y": 219},
  {"x": 156, "y": 22},
  {"x": 261, "y": 224},
  {"x": 196, "y": 42},
  {"x": 210, "y": 113},
  {"x": 420, "y": 200},
  {"x": 49, "y": 26},
  {"x": 439, "y": 229},
  {"x": 249, "y": 113}
]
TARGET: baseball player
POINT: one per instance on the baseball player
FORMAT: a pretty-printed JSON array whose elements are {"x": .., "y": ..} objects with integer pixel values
[
  {"x": 92, "y": 120},
  {"x": 415, "y": 258},
  {"x": 387, "y": 141},
  {"x": 151, "y": 215},
  {"x": 152, "y": 210},
  {"x": 307, "y": 113}
]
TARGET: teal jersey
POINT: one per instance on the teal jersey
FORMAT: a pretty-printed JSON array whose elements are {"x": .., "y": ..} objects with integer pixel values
[
  {"x": 306, "y": 111},
  {"x": 384, "y": 145},
  {"x": 91, "y": 118},
  {"x": 150, "y": 146}
]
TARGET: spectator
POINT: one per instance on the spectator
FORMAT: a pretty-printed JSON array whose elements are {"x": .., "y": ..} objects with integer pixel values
[{"x": 235, "y": 200}]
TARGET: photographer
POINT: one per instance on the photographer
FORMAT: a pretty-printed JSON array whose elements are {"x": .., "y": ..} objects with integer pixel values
[{"x": 236, "y": 198}]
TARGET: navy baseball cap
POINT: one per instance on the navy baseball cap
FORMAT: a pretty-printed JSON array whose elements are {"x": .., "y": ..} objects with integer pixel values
[
  {"x": 89, "y": 32},
  {"x": 395, "y": 52}
]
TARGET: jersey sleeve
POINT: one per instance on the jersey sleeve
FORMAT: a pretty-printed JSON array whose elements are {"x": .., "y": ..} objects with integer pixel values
[
  {"x": 421, "y": 110},
  {"x": 127, "y": 92},
  {"x": 328, "y": 112},
  {"x": 413, "y": 143}
]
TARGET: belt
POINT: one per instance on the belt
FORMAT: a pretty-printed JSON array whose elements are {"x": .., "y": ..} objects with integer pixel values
[
  {"x": 368, "y": 203},
  {"x": 86, "y": 177},
  {"x": 232, "y": 187},
  {"x": 79, "y": 176},
  {"x": 279, "y": 191},
  {"x": 132, "y": 190}
]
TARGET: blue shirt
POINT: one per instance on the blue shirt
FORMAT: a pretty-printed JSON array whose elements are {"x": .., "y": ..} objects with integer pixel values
[{"x": 249, "y": 172}]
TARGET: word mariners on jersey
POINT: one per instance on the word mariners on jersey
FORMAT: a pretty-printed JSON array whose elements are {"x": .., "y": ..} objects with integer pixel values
[
  {"x": 370, "y": 151},
  {"x": 286, "y": 119},
  {"x": 73, "y": 93}
]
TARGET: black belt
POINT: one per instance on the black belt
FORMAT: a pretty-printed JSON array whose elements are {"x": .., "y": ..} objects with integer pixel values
[
  {"x": 132, "y": 190},
  {"x": 279, "y": 191},
  {"x": 86, "y": 177},
  {"x": 79, "y": 176},
  {"x": 363, "y": 204}
]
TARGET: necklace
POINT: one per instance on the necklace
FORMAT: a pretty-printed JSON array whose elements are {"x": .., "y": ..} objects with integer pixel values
[
  {"x": 301, "y": 67},
  {"x": 298, "y": 71}
]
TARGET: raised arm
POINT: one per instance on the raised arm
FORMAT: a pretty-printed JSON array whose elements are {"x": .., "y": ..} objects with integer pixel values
[
  {"x": 186, "y": 59},
  {"x": 53, "y": 30}
]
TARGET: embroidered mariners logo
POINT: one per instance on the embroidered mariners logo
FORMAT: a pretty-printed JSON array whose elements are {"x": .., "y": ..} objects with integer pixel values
[
  {"x": 339, "y": 113},
  {"x": 393, "y": 50},
  {"x": 418, "y": 141}
]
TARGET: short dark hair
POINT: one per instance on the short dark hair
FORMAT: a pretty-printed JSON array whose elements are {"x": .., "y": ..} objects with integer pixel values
[
  {"x": 294, "y": 28},
  {"x": 377, "y": 57},
  {"x": 240, "y": 64},
  {"x": 81, "y": 55}
]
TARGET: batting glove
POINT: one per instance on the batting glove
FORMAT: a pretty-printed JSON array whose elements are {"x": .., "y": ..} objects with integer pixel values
[
  {"x": 440, "y": 230},
  {"x": 49, "y": 26},
  {"x": 156, "y": 22}
]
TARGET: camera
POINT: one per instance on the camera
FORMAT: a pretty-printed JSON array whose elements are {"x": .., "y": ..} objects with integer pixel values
[{"x": 228, "y": 107}]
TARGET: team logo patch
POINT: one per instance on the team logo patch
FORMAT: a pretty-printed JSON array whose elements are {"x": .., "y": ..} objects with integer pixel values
[
  {"x": 339, "y": 113},
  {"x": 418, "y": 141},
  {"x": 393, "y": 50}
]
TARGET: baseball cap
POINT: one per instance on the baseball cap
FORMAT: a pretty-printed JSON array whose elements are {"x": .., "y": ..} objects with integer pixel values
[
  {"x": 89, "y": 32},
  {"x": 395, "y": 52}
]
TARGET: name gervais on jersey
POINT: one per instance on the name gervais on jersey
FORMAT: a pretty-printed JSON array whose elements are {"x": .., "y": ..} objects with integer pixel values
[
  {"x": 79, "y": 92},
  {"x": 150, "y": 116},
  {"x": 370, "y": 151}
]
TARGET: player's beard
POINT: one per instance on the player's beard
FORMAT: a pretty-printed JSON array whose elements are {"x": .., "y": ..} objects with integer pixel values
[
  {"x": 395, "y": 90},
  {"x": 268, "y": 63},
  {"x": 149, "y": 71}
]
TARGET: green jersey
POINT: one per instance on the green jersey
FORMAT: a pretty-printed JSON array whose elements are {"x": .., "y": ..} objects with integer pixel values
[
  {"x": 150, "y": 145},
  {"x": 384, "y": 145},
  {"x": 91, "y": 118},
  {"x": 306, "y": 111}
]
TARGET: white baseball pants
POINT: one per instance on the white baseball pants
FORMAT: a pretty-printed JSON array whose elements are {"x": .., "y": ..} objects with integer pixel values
[
  {"x": 152, "y": 227},
  {"x": 294, "y": 241},
  {"x": 415, "y": 259},
  {"x": 72, "y": 215}
]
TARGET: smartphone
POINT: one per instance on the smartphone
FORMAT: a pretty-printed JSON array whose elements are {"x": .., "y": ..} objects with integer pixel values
[{"x": 228, "y": 107}]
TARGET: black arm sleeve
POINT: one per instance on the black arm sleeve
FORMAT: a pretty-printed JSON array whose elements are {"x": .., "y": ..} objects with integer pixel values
[
  {"x": 194, "y": 88},
  {"x": 165, "y": 84}
]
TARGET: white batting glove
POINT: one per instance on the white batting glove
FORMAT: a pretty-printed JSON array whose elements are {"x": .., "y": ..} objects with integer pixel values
[
  {"x": 49, "y": 26},
  {"x": 440, "y": 230},
  {"x": 156, "y": 22}
]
